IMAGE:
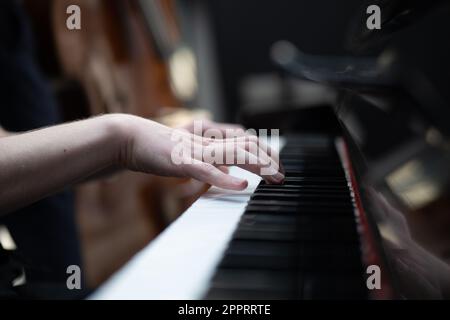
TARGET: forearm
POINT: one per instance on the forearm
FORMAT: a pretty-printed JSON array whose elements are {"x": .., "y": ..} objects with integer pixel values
[
  {"x": 39, "y": 163},
  {"x": 36, "y": 164}
]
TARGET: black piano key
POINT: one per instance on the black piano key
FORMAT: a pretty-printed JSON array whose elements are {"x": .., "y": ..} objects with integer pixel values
[
  {"x": 293, "y": 159},
  {"x": 305, "y": 190},
  {"x": 312, "y": 181},
  {"x": 345, "y": 198},
  {"x": 247, "y": 294},
  {"x": 309, "y": 172},
  {"x": 303, "y": 153},
  {"x": 291, "y": 255},
  {"x": 263, "y": 248},
  {"x": 293, "y": 139},
  {"x": 320, "y": 286},
  {"x": 296, "y": 228},
  {"x": 330, "y": 256},
  {"x": 298, "y": 239},
  {"x": 304, "y": 204},
  {"x": 261, "y": 280},
  {"x": 269, "y": 219},
  {"x": 291, "y": 164},
  {"x": 303, "y": 173},
  {"x": 299, "y": 188},
  {"x": 271, "y": 235},
  {"x": 296, "y": 210},
  {"x": 255, "y": 209},
  {"x": 267, "y": 227},
  {"x": 328, "y": 232},
  {"x": 317, "y": 180},
  {"x": 261, "y": 255}
]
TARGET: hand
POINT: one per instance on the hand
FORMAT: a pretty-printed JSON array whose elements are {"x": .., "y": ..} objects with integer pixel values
[
  {"x": 238, "y": 131},
  {"x": 154, "y": 148},
  {"x": 208, "y": 125}
]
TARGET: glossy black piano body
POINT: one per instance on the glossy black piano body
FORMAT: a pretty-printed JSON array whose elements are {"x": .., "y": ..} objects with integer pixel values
[{"x": 371, "y": 189}]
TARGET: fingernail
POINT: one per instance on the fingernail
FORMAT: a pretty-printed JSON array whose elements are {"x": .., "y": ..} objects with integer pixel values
[
  {"x": 240, "y": 182},
  {"x": 279, "y": 177}
]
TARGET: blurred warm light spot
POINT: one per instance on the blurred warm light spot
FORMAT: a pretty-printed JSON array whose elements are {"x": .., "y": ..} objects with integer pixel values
[
  {"x": 413, "y": 185},
  {"x": 6, "y": 240},
  {"x": 183, "y": 73}
]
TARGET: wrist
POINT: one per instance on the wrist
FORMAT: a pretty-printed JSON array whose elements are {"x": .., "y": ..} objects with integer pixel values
[{"x": 120, "y": 132}]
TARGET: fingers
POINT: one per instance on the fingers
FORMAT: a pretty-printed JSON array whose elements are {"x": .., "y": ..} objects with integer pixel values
[
  {"x": 238, "y": 136},
  {"x": 259, "y": 166},
  {"x": 201, "y": 127},
  {"x": 245, "y": 151},
  {"x": 268, "y": 157},
  {"x": 224, "y": 128},
  {"x": 224, "y": 169},
  {"x": 208, "y": 173},
  {"x": 273, "y": 154}
]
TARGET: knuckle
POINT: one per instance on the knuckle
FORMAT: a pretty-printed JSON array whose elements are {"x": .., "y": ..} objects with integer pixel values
[{"x": 207, "y": 168}]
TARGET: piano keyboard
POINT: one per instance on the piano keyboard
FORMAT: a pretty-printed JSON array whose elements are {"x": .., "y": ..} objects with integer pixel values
[
  {"x": 293, "y": 241},
  {"x": 297, "y": 240}
]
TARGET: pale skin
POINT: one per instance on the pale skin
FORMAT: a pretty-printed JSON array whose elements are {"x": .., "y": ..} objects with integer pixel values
[{"x": 39, "y": 163}]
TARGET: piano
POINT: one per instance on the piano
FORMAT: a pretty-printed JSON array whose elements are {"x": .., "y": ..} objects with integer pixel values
[{"x": 371, "y": 196}]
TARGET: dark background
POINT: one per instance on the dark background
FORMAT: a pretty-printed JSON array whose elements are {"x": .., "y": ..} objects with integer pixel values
[{"x": 245, "y": 30}]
